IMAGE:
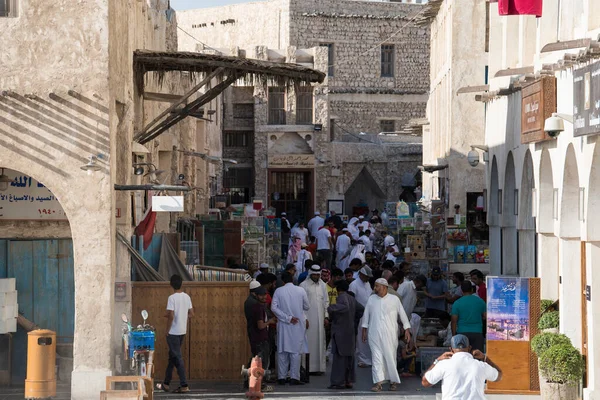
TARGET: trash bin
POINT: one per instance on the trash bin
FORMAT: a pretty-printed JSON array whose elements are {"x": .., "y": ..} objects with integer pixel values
[{"x": 41, "y": 364}]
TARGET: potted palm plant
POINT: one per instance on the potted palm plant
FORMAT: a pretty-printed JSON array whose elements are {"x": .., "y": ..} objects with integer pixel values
[{"x": 561, "y": 367}]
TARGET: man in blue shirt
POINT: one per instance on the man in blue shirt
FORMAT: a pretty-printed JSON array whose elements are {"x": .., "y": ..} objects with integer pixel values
[
  {"x": 468, "y": 314},
  {"x": 435, "y": 291}
]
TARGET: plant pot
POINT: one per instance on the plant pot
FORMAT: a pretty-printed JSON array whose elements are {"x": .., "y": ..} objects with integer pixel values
[
  {"x": 558, "y": 391},
  {"x": 551, "y": 330}
]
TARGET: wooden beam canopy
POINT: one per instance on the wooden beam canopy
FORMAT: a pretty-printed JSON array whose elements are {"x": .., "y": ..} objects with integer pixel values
[{"x": 222, "y": 71}]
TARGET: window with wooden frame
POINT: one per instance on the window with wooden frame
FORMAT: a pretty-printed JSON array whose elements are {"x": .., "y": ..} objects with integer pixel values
[
  {"x": 304, "y": 105},
  {"x": 387, "y": 60},
  {"x": 237, "y": 139},
  {"x": 276, "y": 102},
  {"x": 8, "y": 8},
  {"x": 387, "y": 126}
]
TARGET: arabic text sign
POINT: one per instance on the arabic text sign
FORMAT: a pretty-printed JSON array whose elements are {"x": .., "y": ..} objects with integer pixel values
[
  {"x": 292, "y": 161},
  {"x": 27, "y": 199},
  {"x": 508, "y": 309},
  {"x": 586, "y": 100}
]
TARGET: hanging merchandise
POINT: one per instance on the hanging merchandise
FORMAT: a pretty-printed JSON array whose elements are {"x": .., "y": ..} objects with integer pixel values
[
  {"x": 402, "y": 210},
  {"x": 520, "y": 7}
]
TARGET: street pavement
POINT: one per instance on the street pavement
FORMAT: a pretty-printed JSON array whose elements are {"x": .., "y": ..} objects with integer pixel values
[{"x": 409, "y": 389}]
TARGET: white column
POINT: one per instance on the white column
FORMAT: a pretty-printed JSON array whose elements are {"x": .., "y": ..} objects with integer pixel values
[
  {"x": 509, "y": 251},
  {"x": 570, "y": 290},
  {"x": 495, "y": 250},
  {"x": 593, "y": 321},
  {"x": 527, "y": 253},
  {"x": 548, "y": 265}
]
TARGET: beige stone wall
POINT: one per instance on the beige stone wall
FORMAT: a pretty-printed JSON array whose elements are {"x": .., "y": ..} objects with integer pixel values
[
  {"x": 54, "y": 114},
  {"x": 67, "y": 93},
  {"x": 456, "y": 121}
]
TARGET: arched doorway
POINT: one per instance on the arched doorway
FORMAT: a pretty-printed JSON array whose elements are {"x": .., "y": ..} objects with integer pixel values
[
  {"x": 364, "y": 192},
  {"x": 36, "y": 250},
  {"x": 548, "y": 254},
  {"x": 510, "y": 261},
  {"x": 494, "y": 221},
  {"x": 526, "y": 221},
  {"x": 570, "y": 251}
]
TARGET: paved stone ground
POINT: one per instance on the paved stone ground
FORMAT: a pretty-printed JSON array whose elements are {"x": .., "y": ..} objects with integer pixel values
[{"x": 410, "y": 388}]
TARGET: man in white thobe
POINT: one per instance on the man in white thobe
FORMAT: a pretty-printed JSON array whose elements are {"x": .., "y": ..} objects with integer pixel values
[
  {"x": 289, "y": 305},
  {"x": 315, "y": 224},
  {"x": 362, "y": 291},
  {"x": 353, "y": 228},
  {"x": 300, "y": 232},
  {"x": 380, "y": 329},
  {"x": 343, "y": 248},
  {"x": 316, "y": 290},
  {"x": 303, "y": 255},
  {"x": 364, "y": 223}
]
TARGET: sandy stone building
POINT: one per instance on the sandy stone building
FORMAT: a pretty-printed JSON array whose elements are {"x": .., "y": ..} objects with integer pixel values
[
  {"x": 67, "y": 94},
  {"x": 298, "y": 148},
  {"x": 458, "y": 63}
]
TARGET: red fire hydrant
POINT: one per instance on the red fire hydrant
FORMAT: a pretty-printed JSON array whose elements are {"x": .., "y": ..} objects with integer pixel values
[{"x": 255, "y": 376}]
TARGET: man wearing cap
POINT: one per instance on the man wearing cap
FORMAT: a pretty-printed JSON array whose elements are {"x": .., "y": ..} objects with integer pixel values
[
  {"x": 316, "y": 291},
  {"x": 262, "y": 269},
  {"x": 250, "y": 302},
  {"x": 343, "y": 248},
  {"x": 342, "y": 315},
  {"x": 302, "y": 255},
  {"x": 435, "y": 291},
  {"x": 362, "y": 291},
  {"x": 289, "y": 306},
  {"x": 463, "y": 375},
  {"x": 325, "y": 245},
  {"x": 380, "y": 328},
  {"x": 315, "y": 224}
]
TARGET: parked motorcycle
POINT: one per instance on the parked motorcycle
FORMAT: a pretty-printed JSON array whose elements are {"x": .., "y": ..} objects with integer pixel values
[{"x": 138, "y": 345}]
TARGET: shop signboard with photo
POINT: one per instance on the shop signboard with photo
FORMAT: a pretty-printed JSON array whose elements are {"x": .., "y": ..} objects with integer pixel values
[
  {"x": 586, "y": 100},
  {"x": 508, "y": 309}
]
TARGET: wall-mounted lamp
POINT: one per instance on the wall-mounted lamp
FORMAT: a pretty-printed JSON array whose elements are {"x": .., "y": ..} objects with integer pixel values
[
  {"x": 318, "y": 127},
  {"x": 153, "y": 173},
  {"x": 473, "y": 155},
  {"x": 91, "y": 166},
  {"x": 4, "y": 181}
]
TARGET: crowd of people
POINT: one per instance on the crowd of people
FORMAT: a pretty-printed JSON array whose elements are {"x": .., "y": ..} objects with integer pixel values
[{"x": 348, "y": 301}]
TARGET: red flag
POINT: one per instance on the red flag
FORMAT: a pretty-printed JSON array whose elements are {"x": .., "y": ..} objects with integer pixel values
[
  {"x": 146, "y": 228},
  {"x": 520, "y": 7}
]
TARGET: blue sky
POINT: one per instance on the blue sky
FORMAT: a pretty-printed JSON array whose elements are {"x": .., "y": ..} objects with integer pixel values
[{"x": 188, "y": 4}]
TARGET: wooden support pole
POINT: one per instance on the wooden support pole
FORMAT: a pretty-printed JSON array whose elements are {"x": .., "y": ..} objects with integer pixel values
[{"x": 174, "y": 106}]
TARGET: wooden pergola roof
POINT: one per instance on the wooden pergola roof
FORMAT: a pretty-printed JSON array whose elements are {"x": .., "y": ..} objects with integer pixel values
[{"x": 223, "y": 70}]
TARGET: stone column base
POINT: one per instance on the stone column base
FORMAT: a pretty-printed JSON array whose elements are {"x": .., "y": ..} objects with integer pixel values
[{"x": 87, "y": 384}]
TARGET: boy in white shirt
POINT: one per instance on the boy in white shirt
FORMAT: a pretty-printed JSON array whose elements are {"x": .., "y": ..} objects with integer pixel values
[{"x": 179, "y": 309}]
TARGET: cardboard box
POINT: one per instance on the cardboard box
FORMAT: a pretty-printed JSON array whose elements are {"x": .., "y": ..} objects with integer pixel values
[
  {"x": 408, "y": 257},
  {"x": 419, "y": 255}
]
